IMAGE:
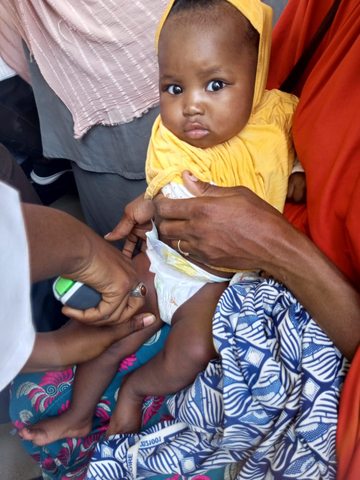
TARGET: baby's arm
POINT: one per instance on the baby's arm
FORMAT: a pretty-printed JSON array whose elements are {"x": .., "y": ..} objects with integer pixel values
[{"x": 297, "y": 184}]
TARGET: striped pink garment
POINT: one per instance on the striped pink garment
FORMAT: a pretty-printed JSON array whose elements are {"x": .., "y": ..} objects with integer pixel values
[
  {"x": 97, "y": 55},
  {"x": 10, "y": 45}
]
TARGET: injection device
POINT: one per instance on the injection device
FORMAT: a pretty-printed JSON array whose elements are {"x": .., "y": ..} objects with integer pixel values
[{"x": 75, "y": 294}]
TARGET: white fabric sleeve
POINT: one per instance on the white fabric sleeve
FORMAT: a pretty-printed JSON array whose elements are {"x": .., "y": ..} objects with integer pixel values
[
  {"x": 297, "y": 168},
  {"x": 17, "y": 334}
]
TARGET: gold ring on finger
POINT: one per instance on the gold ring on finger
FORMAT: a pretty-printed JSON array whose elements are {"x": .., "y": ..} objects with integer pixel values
[{"x": 186, "y": 254}]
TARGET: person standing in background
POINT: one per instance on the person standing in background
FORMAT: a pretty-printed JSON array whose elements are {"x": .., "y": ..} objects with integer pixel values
[{"x": 94, "y": 75}]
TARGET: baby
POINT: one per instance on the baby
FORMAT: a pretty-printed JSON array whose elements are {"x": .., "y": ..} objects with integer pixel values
[{"x": 218, "y": 122}]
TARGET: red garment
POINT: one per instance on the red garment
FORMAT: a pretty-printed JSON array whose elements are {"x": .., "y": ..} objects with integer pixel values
[{"x": 326, "y": 132}]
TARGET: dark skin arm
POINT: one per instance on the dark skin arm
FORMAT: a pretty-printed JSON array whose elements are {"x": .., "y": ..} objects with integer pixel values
[
  {"x": 77, "y": 343},
  {"x": 134, "y": 224},
  {"x": 61, "y": 245},
  {"x": 232, "y": 227}
]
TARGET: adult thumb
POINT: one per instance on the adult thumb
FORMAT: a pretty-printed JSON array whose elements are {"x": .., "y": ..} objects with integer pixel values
[
  {"x": 138, "y": 322},
  {"x": 204, "y": 189}
]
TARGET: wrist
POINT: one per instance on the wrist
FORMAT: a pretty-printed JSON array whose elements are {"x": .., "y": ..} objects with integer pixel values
[
  {"x": 288, "y": 250},
  {"x": 86, "y": 245}
]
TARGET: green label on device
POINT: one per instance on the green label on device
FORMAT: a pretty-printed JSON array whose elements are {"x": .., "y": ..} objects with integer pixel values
[{"x": 63, "y": 285}]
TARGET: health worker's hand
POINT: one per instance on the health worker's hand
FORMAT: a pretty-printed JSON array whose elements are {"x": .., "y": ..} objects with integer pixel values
[
  {"x": 61, "y": 245},
  {"x": 112, "y": 274}
]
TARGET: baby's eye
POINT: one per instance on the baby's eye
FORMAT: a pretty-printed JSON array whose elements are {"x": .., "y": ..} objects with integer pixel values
[
  {"x": 174, "y": 89},
  {"x": 215, "y": 85}
]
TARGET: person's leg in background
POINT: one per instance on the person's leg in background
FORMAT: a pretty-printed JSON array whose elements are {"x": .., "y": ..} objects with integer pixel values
[
  {"x": 12, "y": 174},
  {"x": 103, "y": 197},
  {"x": 20, "y": 134},
  {"x": 108, "y": 161}
]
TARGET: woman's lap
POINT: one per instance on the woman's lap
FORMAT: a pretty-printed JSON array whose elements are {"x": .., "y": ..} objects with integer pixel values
[
  {"x": 39, "y": 395},
  {"x": 267, "y": 407}
]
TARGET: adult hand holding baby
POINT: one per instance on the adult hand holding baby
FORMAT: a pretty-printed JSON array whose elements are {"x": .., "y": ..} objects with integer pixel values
[
  {"x": 229, "y": 227},
  {"x": 234, "y": 228}
]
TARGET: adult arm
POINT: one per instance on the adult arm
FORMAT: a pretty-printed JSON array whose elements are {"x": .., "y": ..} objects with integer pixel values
[
  {"x": 77, "y": 342},
  {"x": 61, "y": 245},
  {"x": 232, "y": 227}
]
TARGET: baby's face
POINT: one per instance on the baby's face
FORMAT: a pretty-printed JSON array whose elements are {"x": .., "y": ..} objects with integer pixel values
[{"x": 207, "y": 79}]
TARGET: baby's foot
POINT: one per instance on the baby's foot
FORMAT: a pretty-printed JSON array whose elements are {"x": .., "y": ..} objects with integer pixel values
[
  {"x": 51, "y": 429},
  {"x": 127, "y": 414}
]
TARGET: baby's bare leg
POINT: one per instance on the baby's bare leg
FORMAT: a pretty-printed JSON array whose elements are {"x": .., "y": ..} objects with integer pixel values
[
  {"x": 187, "y": 351},
  {"x": 93, "y": 377}
]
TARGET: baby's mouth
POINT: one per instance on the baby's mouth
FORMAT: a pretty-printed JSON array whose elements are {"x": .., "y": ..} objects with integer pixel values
[{"x": 195, "y": 131}]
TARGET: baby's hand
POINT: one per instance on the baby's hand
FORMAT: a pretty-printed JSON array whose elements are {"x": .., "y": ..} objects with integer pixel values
[
  {"x": 297, "y": 188},
  {"x": 134, "y": 224}
]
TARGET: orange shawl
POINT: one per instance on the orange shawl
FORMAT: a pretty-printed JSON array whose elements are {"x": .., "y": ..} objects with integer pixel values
[{"x": 326, "y": 131}]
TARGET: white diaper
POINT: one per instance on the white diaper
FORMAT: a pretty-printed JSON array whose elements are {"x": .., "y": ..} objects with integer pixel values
[{"x": 176, "y": 279}]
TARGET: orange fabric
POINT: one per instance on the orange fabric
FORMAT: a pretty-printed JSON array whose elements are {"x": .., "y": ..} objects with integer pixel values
[
  {"x": 348, "y": 431},
  {"x": 326, "y": 131},
  {"x": 326, "y": 127}
]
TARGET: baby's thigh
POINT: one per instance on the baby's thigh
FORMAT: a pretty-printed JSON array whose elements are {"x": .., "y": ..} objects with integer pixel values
[
  {"x": 191, "y": 325},
  {"x": 201, "y": 306}
]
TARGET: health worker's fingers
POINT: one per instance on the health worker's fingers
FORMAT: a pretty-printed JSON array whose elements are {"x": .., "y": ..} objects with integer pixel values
[
  {"x": 137, "y": 322},
  {"x": 108, "y": 312}
]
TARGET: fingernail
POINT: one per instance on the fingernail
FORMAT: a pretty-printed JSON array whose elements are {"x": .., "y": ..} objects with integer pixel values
[
  {"x": 105, "y": 236},
  {"x": 106, "y": 318},
  {"x": 149, "y": 320}
]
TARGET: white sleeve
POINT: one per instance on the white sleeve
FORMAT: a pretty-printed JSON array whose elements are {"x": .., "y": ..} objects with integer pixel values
[
  {"x": 297, "y": 168},
  {"x": 17, "y": 334}
]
